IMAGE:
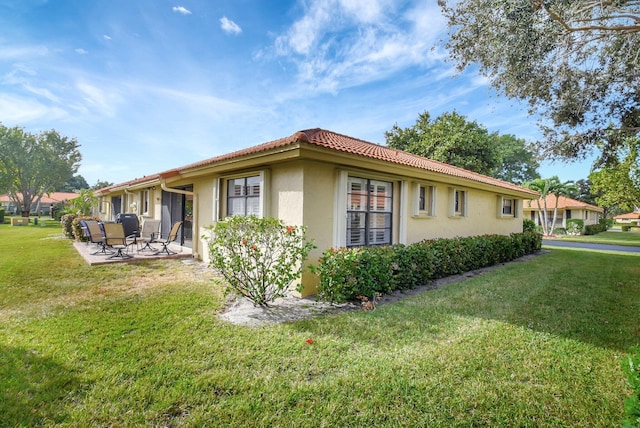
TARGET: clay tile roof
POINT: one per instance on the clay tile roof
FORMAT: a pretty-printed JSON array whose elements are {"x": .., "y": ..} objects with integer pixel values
[
  {"x": 342, "y": 143},
  {"x": 628, "y": 216},
  {"x": 563, "y": 203}
]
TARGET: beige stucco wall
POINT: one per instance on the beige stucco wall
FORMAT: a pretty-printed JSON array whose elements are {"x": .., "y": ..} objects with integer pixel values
[{"x": 482, "y": 217}]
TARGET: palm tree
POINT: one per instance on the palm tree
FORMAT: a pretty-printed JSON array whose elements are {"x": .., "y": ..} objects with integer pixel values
[
  {"x": 558, "y": 189},
  {"x": 546, "y": 187},
  {"x": 542, "y": 186}
]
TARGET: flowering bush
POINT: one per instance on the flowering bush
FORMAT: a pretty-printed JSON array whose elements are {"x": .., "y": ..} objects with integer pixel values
[
  {"x": 258, "y": 257},
  {"x": 67, "y": 224}
]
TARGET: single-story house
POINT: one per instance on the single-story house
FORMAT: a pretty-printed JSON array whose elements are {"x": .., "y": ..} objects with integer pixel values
[
  {"x": 346, "y": 191},
  {"x": 567, "y": 209},
  {"x": 46, "y": 202},
  {"x": 628, "y": 217}
]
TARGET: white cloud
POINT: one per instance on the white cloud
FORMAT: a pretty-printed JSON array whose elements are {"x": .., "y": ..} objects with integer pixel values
[
  {"x": 181, "y": 9},
  {"x": 81, "y": 51},
  {"x": 13, "y": 52},
  {"x": 337, "y": 44},
  {"x": 229, "y": 27},
  {"x": 106, "y": 37},
  {"x": 19, "y": 110},
  {"x": 104, "y": 101}
]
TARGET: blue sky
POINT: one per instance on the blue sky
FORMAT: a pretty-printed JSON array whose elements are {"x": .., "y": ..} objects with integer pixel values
[{"x": 148, "y": 85}]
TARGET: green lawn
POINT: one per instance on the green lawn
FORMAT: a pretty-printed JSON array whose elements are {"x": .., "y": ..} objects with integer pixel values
[
  {"x": 532, "y": 343},
  {"x": 613, "y": 238}
]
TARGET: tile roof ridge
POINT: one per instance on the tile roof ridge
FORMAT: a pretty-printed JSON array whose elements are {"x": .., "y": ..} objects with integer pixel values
[{"x": 398, "y": 153}]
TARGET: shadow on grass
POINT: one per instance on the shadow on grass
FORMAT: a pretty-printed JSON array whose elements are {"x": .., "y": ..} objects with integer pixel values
[{"x": 33, "y": 388}]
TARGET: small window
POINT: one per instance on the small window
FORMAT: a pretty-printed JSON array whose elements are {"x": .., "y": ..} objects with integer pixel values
[
  {"x": 459, "y": 203},
  {"x": 425, "y": 201},
  {"x": 243, "y": 196},
  {"x": 508, "y": 207},
  {"x": 144, "y": 202},
  {"x": 586, "y": 215}
]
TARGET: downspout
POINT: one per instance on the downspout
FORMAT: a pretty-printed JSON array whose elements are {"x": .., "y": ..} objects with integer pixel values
[{"x": 196, "y": 242}]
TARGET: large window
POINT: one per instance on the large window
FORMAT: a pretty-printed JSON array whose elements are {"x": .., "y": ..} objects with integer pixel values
[
  {"x": 369, "y": 207},
  {"x": 243, "y": 196}
]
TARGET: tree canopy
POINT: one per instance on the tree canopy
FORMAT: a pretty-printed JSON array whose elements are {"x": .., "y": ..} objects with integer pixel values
[
  {"x": 576, "y": 63},
  {"x": 34, "y": 164},
  {"x": 74, "y": 184},
  {"x": 453, "y": 139},
  {"x": 617, "y": 182}
]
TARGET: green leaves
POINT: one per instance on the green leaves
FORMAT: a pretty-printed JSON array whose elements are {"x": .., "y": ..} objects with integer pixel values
[
  {"x": 34, "y": 164},
  {"x": 258, "y": 257},
  {"x": 452, "y": 139},
  {"x": 574, "y": 62},
  {"x": 346, "y": 273}
]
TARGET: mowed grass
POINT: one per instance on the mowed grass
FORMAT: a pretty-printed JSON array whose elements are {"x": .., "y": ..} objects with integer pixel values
[
  {"x": 531, "y": 343},
  {"x": 631, "y": 238}
]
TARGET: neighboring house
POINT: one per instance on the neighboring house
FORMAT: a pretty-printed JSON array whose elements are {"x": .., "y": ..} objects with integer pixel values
[
  {"x": 628, "y": 217},
  {"x": 567, "y": 209},
  {"x": 346, "y": 191},
  {"x": 46, "y": 203}
]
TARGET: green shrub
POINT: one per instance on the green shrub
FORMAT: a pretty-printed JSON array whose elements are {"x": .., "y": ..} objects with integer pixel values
[
  {"x": 529, "y": 225},
  {"x": 346, "y": 273},
  {"x": 575, "y": 226},
  {"x": 632, "y": 403},
  {"x": 594, "y": 229},
  {"x": 1, "y": 216},
  {"x": 67, "y": 225},
  {"x": 559, "y": 231},
  {"x": 625, "y": 227},
  {"x": 259, "y": 257}
]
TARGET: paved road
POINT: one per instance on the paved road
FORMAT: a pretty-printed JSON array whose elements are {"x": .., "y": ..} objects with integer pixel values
[{"x": 624, "y": 248}]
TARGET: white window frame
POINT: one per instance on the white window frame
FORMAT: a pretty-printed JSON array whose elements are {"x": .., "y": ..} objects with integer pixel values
[
  {"x": 145, "y": 202},
  {"x": 370, "y": 211},
  {"x": 515, "y": 211},
  {"x": 223, "y": 191},
  {"x": 462, "y": 196},
  {"x": 427, "y": 210}
]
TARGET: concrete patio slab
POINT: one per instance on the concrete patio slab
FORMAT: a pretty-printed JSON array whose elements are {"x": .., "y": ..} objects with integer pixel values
[{"x": 100, "y": 259}]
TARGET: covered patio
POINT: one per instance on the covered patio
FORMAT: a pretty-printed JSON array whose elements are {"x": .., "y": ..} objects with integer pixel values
[{"x": 87, "y": 250}]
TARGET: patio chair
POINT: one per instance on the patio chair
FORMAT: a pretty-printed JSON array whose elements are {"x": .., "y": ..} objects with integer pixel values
[
  {"x": 85, "y": 231},
  {"x": 149, "y": 234},
  {"x": 96, "y": 236},
  {"x": 172, "y": 236},
  {"x": 116, "y": 239}
]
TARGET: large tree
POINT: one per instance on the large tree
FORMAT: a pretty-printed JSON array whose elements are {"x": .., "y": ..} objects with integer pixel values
[
  {"x": 34, "y": 164},
  {"x": 517, "y": 161},
  {"x": 450, "y": 138},
  {"x": 618, "y": 180},
  {"x": 576, "y": 63},
  {"x": 453, "y": 139}
]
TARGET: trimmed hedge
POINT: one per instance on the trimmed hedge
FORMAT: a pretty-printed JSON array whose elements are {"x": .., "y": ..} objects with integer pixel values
[
  {"x": 346, "y": 273},
  {"x": 593, "y": 229}
]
